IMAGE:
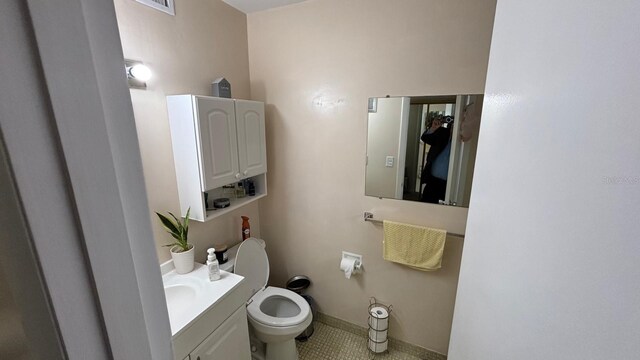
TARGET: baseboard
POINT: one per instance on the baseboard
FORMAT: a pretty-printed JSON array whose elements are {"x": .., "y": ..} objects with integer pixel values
[{"x": 396, "y": 344}]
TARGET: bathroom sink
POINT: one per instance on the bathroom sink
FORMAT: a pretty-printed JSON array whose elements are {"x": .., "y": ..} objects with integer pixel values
[
  {"x": 178, "y": 299},
  {"x": 178, "y": 293},
  {"x": 190, "y": 295}
]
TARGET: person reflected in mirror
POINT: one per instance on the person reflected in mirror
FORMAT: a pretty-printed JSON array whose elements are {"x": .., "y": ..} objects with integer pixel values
[{"x": 436, "y": 169}]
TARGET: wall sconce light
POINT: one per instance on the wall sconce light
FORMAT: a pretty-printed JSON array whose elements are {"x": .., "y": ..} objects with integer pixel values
[{"x": 137, "y": 74}]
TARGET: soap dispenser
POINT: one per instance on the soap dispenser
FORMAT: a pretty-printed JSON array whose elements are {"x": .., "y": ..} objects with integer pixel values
[{"x": 212, "y": 265}]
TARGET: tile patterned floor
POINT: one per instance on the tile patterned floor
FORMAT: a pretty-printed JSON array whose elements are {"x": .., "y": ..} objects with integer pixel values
[{"x": 329, "y": 343}]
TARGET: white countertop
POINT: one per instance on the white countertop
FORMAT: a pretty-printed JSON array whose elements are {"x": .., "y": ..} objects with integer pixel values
[{"x": 188, "y": 306}]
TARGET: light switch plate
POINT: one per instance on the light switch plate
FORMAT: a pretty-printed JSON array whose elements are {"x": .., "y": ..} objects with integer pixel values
[{"x": 389, "y": 161}]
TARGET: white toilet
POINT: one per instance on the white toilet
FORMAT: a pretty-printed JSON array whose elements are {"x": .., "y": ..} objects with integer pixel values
[{"x": 276, "y": 315}]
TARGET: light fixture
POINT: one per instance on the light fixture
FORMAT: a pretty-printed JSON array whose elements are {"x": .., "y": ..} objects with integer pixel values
[
  {"x": 140, "y": 72},
  {"x": 137, "y": 74}
]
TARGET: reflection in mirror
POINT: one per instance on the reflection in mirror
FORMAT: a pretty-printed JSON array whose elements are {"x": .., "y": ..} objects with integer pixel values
[{"x": 422, "y": 148}]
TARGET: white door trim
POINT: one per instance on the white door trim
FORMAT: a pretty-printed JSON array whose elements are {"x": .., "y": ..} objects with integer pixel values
[{"x": 73, "y": 149}]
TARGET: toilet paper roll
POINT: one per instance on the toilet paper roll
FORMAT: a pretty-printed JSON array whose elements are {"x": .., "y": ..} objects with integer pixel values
[
  {"x": 377, "y": 336},
  {"x": 348, "y": 265},
  {"x": 378, "y": 347},
  {"x": 379, "y": 318}
]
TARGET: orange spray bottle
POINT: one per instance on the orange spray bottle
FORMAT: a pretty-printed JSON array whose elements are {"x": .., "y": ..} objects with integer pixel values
[{"x": 246, "y": 228}]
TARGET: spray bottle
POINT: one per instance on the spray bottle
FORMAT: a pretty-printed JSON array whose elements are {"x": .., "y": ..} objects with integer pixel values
[{"x": 246, "y": 228}]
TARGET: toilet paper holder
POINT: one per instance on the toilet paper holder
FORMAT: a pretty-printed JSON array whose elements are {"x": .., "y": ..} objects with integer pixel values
[
  {"x": 357, "y": 258},
  {"x": 379, "y": 315}
]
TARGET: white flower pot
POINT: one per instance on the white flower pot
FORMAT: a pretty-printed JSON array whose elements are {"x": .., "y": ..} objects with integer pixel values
[{"x": 183, "y": 261}]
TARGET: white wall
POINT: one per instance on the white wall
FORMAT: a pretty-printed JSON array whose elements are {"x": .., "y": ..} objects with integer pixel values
[
  {"x": 315, "y": 64},
  {"x": 550, "y": 265},
  {"x": 205, "y": 40}
]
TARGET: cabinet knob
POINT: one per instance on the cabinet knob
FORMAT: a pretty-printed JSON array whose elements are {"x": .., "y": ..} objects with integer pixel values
[
  {"x": 245, "y": 172},
  {"x": 238, "y": 176}
]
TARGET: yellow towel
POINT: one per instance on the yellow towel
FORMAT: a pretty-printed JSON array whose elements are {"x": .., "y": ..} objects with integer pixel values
[{"x": 418, "y": 247}]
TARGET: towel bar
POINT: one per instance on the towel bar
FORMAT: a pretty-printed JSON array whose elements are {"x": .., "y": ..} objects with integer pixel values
[{"x": 369, "y": 217}]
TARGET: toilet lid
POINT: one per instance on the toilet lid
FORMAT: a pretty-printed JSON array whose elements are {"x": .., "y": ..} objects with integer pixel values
[{"x": 252, "y": 263}]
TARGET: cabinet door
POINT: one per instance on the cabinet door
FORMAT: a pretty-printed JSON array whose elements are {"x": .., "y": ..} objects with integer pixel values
[
  {"x": 229, "y": 341},
  {"x": 252, "y": 147},
  {"x": 216, "y": 127}
]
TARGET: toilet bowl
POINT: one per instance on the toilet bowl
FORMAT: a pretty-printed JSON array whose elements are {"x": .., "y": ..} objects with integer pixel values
[{"x": 276, "y": 315}]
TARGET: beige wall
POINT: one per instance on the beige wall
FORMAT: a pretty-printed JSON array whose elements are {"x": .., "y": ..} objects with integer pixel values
[
  {"x": 315, "y": 64},
  {"x": 205, "y": 40}
]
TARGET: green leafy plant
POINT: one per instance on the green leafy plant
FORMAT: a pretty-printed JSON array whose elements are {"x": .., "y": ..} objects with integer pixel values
[{"x": 178, "y": 229}]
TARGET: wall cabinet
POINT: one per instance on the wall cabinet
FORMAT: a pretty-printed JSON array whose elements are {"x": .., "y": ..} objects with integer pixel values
[
  {"x": 216, "y": 142},
  {"x": 252, "y": 148}
]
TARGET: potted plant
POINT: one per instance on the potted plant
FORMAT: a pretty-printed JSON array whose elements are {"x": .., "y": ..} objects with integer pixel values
[{"x": 181, "y": 251}]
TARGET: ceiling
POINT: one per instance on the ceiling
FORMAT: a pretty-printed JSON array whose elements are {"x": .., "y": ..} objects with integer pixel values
[{"x": 249, "y": 6}]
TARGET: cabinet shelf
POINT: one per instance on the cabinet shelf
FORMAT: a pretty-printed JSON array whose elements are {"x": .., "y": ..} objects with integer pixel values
[
  {"x": 235, "y": 204},
  {"x": 260, "y": 183}
]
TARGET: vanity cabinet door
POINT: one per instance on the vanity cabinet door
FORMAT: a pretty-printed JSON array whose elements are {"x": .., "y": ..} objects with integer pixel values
[
  {"x": 252, "y": 148},
  {"x": 229, "y": 341},
  {"x": 216, "y": 128}
]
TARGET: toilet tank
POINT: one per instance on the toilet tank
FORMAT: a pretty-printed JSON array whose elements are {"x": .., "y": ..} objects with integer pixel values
[{"x": 231, "y": 256}]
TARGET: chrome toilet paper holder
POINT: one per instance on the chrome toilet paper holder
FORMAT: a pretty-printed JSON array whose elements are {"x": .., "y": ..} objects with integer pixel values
[
  {"x": 378, "y": 341},
  {"x": 358, "y": 260}
]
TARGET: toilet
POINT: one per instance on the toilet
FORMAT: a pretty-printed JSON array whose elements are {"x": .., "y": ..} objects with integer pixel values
[{"x": 276, "y": 315}]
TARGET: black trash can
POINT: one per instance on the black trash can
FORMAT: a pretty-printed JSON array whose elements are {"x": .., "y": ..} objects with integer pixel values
[{"x": 298, "y": 284}]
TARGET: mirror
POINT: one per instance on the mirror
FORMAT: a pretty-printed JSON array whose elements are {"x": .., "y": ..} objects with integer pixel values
[{"x": 422, "y": 148}]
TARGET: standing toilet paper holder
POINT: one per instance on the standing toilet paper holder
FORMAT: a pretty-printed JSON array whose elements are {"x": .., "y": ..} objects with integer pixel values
[{"x": 378, "y": 327}]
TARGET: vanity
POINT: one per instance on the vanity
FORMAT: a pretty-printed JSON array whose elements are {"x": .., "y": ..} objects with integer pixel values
[{"x": 208, "y": 318}]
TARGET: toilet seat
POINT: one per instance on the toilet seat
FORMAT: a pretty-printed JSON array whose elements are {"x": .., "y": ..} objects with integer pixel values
[
  {"x": 255, "y": 308},
  {"x": 275, "y": 315},
  {"x": 252, "y": 263}
]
